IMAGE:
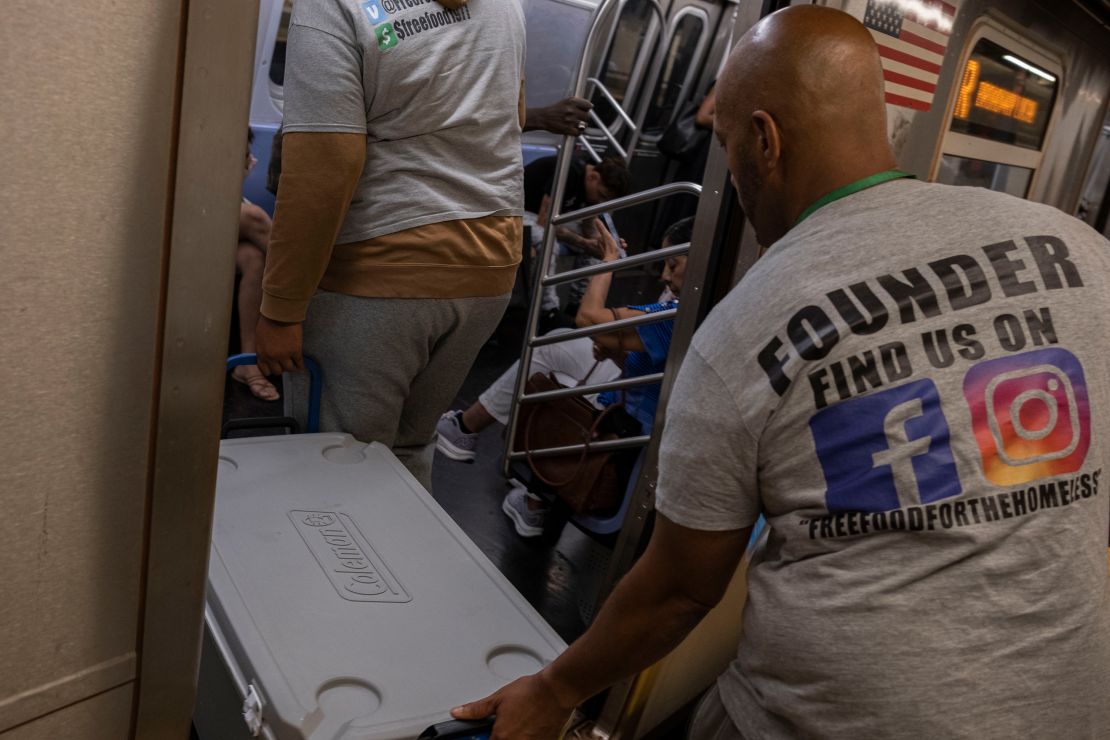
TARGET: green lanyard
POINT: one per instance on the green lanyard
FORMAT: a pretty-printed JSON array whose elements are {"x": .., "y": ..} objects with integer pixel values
[{"x": 850, "y": 189}]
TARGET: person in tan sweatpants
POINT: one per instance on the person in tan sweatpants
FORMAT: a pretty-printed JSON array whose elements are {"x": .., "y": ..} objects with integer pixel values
[{"x": 397, "y": 231}]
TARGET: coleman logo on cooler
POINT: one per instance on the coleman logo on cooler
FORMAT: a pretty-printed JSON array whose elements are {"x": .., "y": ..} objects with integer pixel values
[{"x": 355, "y": 569}]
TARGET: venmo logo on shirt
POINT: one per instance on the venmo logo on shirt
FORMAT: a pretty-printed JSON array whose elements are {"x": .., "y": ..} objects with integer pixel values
[
  {"x": 374, "y": 11},
  {"x": 886, "y": 450}
]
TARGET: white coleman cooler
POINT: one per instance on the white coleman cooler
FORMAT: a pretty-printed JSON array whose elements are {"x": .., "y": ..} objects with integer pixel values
[{"x": 344, "y": 603}]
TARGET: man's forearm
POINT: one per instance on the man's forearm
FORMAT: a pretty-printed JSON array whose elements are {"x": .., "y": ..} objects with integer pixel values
[
  {"x": 542, "y": 119},
  {"x": 320, "y": 172},
  {"x": 535, "y": 119},
  {"x": 683, "y": 573},
  {"x": 641, "y": 622},
  {"x": 569, "y": 116},
  {"x": 680, "y": 577}
]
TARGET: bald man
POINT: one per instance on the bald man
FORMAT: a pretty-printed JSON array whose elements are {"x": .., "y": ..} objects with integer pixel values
[{"x": 911, "y": 387}]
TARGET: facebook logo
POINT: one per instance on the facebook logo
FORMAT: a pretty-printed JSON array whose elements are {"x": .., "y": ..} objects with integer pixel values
[{"x": 886, "y": 450}]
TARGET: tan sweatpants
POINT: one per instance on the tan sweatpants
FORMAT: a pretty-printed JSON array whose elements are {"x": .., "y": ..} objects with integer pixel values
[{"x": 392, "y": 366}]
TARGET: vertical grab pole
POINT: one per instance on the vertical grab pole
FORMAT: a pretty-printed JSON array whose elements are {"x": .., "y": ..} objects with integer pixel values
[{"x": 562, "y": 169}]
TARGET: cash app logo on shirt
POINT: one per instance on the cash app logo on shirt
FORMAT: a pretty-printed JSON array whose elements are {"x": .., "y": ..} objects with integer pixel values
[
  {"x": 387, "y": 37},
  {"x": 383, "y": 32}
]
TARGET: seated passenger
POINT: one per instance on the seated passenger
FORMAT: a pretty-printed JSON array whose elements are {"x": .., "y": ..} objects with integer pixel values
[
  {"x": 587, "y": 184},
  {"x": 250, "y": 263},
  {"x": 645, "y": 352}
]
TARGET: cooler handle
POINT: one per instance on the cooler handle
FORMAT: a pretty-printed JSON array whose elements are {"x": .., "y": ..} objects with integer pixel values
[
  {"x": 315, "y": 384},
  {"x": 457, "y": 729}
]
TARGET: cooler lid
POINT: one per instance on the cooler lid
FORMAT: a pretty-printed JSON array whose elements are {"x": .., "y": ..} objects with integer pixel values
[{"x": 349, "y": 599}]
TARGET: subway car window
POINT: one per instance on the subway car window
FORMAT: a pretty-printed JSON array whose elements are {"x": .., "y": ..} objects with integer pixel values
[
  {"x": 681, "y": 56},
  {"x": 1001, "y": 114},
  {"x": 980, "y": 173},
  {"x": 277, "y": 63},
  {"x": 1004, "y": 97},
  {"x": 626, "y": 54}
]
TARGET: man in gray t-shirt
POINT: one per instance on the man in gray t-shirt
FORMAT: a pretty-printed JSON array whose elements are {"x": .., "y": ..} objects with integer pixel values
[
  {"x": 911, "y": 387},
  {"x": 397, "y": 230}
]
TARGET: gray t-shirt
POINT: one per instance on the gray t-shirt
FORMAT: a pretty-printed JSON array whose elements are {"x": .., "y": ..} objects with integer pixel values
[
  {"x": 435, "y": 91},
  {"x": 912, "y": 387}
]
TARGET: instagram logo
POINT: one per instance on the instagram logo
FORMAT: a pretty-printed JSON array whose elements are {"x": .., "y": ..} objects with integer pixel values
[{"x": 1030, "y": 415}]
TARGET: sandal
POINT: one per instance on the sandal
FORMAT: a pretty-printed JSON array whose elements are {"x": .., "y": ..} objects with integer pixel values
[{"x": 259, "y": 386}]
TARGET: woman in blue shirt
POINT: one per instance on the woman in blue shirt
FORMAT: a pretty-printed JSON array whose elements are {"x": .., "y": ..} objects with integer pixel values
[{"x": 630, "y": 353}]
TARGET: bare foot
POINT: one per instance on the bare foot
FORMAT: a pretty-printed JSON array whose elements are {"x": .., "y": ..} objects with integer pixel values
[{"x": 252, "y": 377}]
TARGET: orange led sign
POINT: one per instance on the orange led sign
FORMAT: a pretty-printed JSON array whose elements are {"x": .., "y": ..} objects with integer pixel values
[
  {"x": 1003, "y": 102},
  {"x": 1000, "y": 97},
  {"x": 967, "y": 89}
]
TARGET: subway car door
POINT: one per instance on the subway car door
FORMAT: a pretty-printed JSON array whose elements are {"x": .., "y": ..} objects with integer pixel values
[
  {"x": 661, "y": 59},
  {"x": 124, "y": 140}
]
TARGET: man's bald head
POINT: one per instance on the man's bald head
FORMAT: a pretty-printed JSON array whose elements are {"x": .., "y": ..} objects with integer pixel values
[{"x": 800, "y": 110}]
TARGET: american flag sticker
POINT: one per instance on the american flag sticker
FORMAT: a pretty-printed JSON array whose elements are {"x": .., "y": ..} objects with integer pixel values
[{"x": 912, "y": 36}]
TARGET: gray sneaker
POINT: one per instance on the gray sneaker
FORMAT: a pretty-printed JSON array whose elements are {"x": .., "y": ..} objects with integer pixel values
[
  {"x": 527, "y": 522},
  {"x": 453, "y": 441}
]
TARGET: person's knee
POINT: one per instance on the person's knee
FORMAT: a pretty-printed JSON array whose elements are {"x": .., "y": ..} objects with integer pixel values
[
  {"x": 249, "y": 260},
  {"x": 543, "y": 354}
]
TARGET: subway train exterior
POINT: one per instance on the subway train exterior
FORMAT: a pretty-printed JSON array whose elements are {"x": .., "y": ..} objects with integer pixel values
[{"x": 121, "y": 181}]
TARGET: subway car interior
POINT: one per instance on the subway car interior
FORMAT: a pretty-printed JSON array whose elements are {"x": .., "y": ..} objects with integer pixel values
[{"x": 1008, "y": 95}]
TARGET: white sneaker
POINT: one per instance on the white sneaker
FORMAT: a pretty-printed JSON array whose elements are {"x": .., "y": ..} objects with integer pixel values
[
  {"x": 527, "y": 522},
  {"x": 453, "y": 441}
]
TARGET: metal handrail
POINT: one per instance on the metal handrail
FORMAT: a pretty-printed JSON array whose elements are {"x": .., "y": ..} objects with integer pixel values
[
  {"x": 604, "y": 445},
  {"x": 608, "y": 135},
  {"x": 625, "y": 262},
  {"x": 652, "y": 78},
  {"x": 627, "y": 201},
  {"x": 589, "y": 331},
  {"x": 590, "y": 150},
  {"x": 600, "y": 87},
  {"x": 585, "y": 390},
  {"x": 596, "y": 84},
  {"x": 661, "y": 18},
  {"x": 562, "y": 169}
]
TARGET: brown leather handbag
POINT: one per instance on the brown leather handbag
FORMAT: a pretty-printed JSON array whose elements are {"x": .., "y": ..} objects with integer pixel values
[{"x": 589, "y": 481}]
